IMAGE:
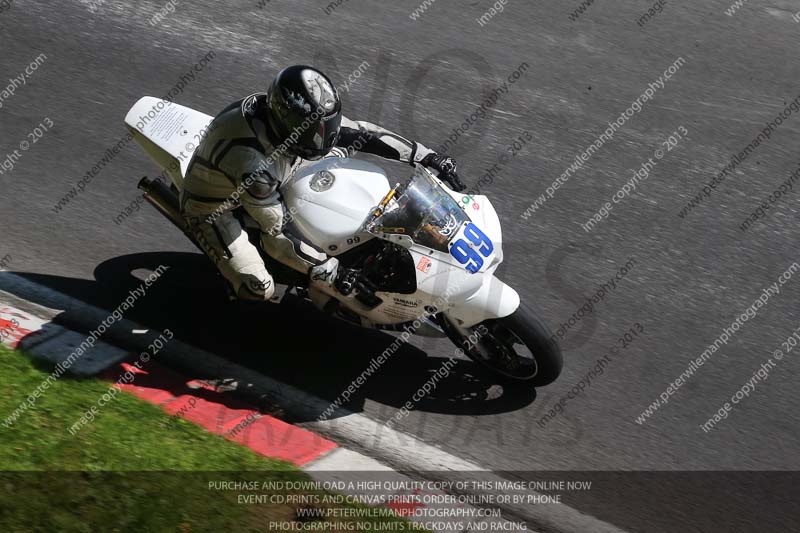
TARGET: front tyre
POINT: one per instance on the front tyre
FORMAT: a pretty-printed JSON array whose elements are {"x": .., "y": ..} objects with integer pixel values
[{"x": 517, "y": 347}]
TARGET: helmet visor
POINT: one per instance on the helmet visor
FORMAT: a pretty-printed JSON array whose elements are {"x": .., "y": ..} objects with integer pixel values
[{"x": 317, "y": 138}]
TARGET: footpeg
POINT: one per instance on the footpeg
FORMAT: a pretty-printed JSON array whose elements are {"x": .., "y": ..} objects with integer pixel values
[
  {"x": 346, "y": 281},
  {"x": 349, "y": 280}
]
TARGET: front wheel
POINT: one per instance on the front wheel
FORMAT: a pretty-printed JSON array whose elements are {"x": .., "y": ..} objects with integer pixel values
[{"x": 518, "y": 347}]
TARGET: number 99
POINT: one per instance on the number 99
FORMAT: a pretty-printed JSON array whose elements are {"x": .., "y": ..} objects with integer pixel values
[{"x": 466, "y": 254}]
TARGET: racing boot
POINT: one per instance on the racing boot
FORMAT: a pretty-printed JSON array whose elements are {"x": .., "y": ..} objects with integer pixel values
[{"x": 324, "y": 274}]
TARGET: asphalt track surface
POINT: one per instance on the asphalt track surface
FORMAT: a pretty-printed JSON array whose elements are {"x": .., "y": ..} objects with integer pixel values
[{"x": 691, "y": 276}]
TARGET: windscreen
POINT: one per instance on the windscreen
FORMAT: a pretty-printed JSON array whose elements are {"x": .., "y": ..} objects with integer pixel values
[{"x": 425, "y": 213}]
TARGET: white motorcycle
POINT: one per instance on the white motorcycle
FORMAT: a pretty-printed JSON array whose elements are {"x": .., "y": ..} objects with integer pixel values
[{"x": 419, "y": 258}]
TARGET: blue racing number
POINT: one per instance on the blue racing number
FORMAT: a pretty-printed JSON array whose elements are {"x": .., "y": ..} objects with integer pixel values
[{"x": 471, "y": 254}]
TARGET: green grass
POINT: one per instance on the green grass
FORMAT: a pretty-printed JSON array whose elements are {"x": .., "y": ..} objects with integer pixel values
[{"x": 127, "y": 470}]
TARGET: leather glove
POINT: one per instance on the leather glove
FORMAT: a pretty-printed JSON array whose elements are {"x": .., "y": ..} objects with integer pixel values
[{"x": 447, "y": 168}]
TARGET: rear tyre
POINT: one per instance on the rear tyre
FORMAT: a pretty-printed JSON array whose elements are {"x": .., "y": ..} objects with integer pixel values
[{"x": 517, "y": 348}]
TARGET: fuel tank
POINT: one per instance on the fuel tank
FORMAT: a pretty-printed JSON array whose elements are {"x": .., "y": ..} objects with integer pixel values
[{"x": 328, "y": 200}]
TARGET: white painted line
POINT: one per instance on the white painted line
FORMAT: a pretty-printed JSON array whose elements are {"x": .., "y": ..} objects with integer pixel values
[
  {"x": 343, "y": 465},
  {"x": 16, "y": 324},
  {"x": 344, "y": 460}
]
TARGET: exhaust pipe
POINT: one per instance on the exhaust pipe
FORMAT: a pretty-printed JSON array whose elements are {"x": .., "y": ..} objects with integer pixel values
[{"x": 164, "y": 200}]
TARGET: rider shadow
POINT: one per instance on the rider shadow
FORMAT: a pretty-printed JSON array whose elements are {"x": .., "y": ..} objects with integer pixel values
[{"x": 292, "y": 341}]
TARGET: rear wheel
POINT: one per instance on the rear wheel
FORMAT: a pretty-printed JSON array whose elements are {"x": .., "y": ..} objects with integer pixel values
[{"x": 517, "y": 347}]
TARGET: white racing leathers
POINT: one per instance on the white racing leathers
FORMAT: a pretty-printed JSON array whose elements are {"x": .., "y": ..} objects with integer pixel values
[{"x": 236, "y": 165}]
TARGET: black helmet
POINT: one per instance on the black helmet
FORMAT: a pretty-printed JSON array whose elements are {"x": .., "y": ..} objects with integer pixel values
[{"x": 303, "y": 112}]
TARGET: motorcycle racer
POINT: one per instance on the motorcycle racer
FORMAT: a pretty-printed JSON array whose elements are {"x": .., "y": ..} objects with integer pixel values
[{"x": 256, "y": 143}]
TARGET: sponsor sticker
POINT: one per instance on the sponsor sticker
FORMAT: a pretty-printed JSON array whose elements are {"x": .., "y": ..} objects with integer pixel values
[{"x": 424, "y": 265}]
